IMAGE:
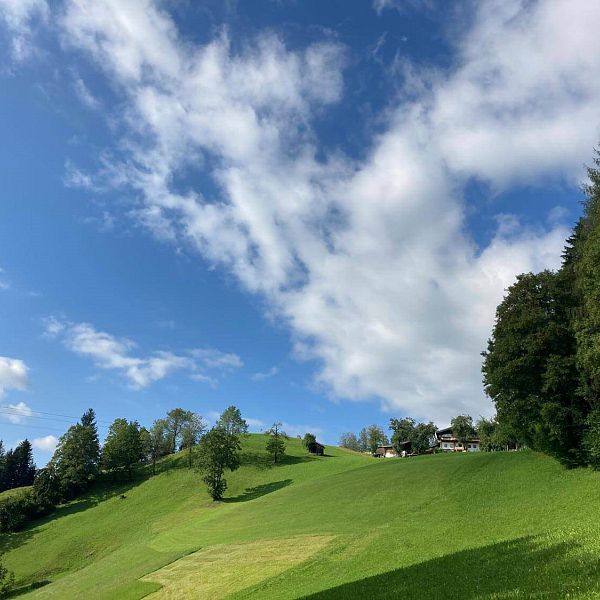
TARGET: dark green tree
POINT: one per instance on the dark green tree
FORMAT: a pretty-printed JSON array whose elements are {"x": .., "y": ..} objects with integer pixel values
[
  {"x": 123, "y": 449},
  {"x": 462, "y": 429},
  {"x": 403, "y": 430},
  {"x": 77, "y": 456},
  {"x": 585, "y": 256},
  {"x": 591, "y": 439},
  {"x": 19, "y": 469},
  {"x": 423, "y": 437},
  {"x": 308, "y": 439},
  {"x": 372, "y": 437},
  {"x": 233, "y": 423},
  {"x": 176, "y": 419},
  {"x": 47, "y": 488},
  {"x": 218, "y": 451},
  {"x": 157, "y": 442},
  {"x": 276, "y": 443},
  {"x": 486, "y": 430},
  {"x": 529, "y": 367},
  {"x": 2, "y": 467}
]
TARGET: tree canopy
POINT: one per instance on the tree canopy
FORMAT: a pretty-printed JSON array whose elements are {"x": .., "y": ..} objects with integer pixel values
[
  {"x": 219, "y": 450},
  {"x": 542, "y": 364}
]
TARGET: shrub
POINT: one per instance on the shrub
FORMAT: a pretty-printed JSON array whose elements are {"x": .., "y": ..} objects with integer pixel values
[{"x": 591, "y": 439}]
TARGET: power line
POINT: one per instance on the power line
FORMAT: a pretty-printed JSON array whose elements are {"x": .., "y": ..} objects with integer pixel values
[
  {"x": 28, "y": 426},
  {"x": 37, "y": 414}
]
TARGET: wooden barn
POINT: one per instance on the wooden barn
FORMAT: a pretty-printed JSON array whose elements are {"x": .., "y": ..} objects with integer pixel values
[{"x": 316, "y": 448}]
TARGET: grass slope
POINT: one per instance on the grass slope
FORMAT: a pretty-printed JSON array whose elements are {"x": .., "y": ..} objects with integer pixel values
[{"x": 493, "y": 526}]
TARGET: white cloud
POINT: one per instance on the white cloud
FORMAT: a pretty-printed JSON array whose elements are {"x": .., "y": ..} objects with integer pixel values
[
  {"x": 112, "y": 353},
  {"x": 84, "y": 94},
  {"x": 368, "y": 263},
  {"x": 266, "y": 374},
  {"x": 13, "y": 375},
  {"x": 524, "y": 100},
  {"x": 16, "y": 413},
  {"x": 4, "y": 283},
  {"x": 255, "y": 424},
  {"x": 300, "y": 430},
  {"x": 19, "y": 18},
  {"x": 47, "y": 443},
  {"x": 402, "y": 5}
]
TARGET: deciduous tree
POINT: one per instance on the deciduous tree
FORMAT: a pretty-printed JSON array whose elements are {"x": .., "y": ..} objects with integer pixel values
[
  {"x": 123, "y": 449},
  {"x": 372, "y": 437},
  {"x": 192, "y": 430},
  {"x": 233, "y": 423},
  {"x": 462, "y": 429},
  {"x": 276, "y": 443},
  {"x": 218, "y": 451},
  {"x": 350, "y": 441},
  {"x": 308, "y": 439}
]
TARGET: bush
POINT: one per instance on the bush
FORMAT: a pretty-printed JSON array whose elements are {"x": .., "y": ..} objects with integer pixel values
[
  {"x": 17, "y": 510},
  {"x": 591, "y": 439}
]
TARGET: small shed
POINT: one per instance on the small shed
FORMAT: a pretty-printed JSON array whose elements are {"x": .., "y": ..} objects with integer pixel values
[{"x": 316, "y": 448}]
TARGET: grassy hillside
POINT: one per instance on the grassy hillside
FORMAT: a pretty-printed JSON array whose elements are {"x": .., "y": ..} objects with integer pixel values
[
  {"x": 505, "y": 525},
  {"x": 13, "y": 492}
]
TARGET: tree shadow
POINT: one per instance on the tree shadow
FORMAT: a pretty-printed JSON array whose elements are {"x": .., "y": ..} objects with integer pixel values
[
  {"x": 10, "y": 541},
  {"x": 25, "y": 589},
  {"x": 104, "y": 489},
  {"x": 295, "y": 460},
  {"x": 520, "y": 568},
  {"x": 252, "y": 493}
]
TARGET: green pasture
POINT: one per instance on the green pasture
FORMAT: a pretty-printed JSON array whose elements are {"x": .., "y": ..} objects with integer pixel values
[{"x": 469, "y": 526}]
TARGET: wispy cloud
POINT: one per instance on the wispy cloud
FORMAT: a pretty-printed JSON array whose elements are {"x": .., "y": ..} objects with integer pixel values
[
  {"x": 20, "y": 18},
  {"x": 4, "y": 282},
  {"x": 15, "y": 413},
  {"x": 261, "y": 376},
  {"x": 255, "y": 424},
  {"x": 113, "y": 353},
  {"x": 84, "y": 94}
]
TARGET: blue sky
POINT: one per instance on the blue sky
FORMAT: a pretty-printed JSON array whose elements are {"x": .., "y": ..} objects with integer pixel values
[{"x": 306, "y": 209}]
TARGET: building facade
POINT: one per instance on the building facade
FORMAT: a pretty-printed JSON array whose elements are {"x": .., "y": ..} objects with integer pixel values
[{"x": 448, "y": 443}]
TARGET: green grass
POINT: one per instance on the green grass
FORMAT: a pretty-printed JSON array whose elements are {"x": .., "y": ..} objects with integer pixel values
[
  {"x": 472, "y": 526},
  {"x": 14, "y": 492}
]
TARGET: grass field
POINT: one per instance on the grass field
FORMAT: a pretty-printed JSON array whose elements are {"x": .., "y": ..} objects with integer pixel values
[
  {"x": 14, "y": 492},
  {"x": 473, "y": 526}
]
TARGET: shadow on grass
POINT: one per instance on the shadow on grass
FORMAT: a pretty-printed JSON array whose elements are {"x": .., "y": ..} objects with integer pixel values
[
  {"x": 252, "y": 493},
  {"x": 104, "y": 489},
  {"x": 24, "y": 589},
  {"x": 521, "y": 568}
]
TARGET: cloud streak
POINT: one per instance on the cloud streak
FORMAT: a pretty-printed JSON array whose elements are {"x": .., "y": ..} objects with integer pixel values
[{"x": 111, "y": 353}]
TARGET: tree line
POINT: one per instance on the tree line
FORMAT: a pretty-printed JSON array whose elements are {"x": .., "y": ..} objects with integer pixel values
[
  {"x": 16, "y": 466},
  {"x": 421, "y": 437},
  {"x": 542, "y": 363},
  {"x": 80, "y": 460}
]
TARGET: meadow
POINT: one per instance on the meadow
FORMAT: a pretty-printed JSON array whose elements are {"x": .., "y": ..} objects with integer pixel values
[{"x": 470, "y": 526}]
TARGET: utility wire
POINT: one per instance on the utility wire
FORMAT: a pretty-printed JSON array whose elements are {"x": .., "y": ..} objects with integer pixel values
[{"x": 41, "y": 415}]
